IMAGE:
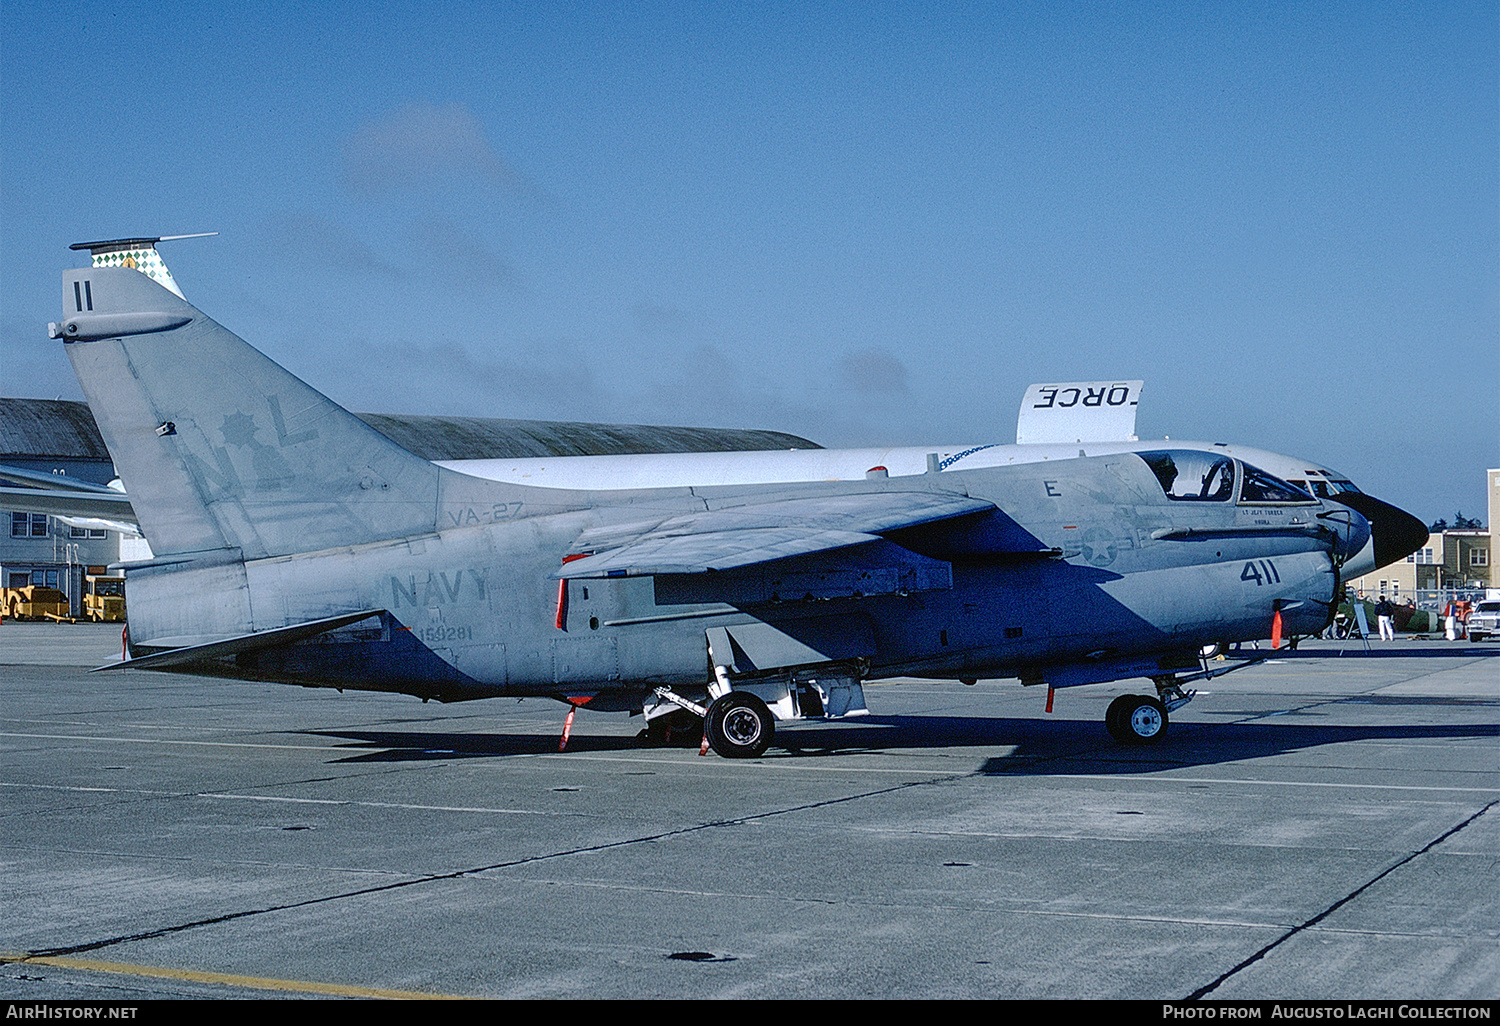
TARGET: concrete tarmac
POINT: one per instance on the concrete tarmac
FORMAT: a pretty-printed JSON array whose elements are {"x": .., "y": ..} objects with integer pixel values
[{"x": 1320, "y": 826}]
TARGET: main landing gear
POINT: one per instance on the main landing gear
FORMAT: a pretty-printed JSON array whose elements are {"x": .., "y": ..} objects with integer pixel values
[
  {"x": 737, "y": 715},
  {"x": 736, "y": 724},
  {"x": 739, "y": 726},
  {"x": 1136, "y": 719}
]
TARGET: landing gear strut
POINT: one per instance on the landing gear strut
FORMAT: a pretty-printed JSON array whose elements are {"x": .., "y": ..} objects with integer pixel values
[{"x": 738, "y": 714}]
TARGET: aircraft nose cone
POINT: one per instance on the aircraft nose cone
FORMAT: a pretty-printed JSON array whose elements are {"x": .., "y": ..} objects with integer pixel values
[{"x": 1395, "y": 532}]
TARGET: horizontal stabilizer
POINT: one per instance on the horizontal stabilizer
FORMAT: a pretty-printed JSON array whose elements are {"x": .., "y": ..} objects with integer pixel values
[
  {"x": 103, "y": 505},
  {"x": 52, "y": 481},
  {"x": 253, "y": 642},
  {"x": 740, "y": 536}
]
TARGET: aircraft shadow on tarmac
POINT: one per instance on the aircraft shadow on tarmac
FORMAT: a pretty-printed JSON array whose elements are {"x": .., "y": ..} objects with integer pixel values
[
  {"x": 1401, "y": 648},
  {"x": 1037, "y": 746},
  {"x": 1043, "y": 746}
]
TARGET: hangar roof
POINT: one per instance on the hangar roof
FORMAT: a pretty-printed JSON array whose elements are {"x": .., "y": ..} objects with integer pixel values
[
  {"x": 63, "y": 428},
  {"x": 477, "y": 438},
  {"x": 56, "y": 428}
]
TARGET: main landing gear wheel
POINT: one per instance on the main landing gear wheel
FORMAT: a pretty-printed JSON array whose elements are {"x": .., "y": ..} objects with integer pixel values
[
  {"x": 739, "y": 726},
  {"x": 1136, "y": 719}
]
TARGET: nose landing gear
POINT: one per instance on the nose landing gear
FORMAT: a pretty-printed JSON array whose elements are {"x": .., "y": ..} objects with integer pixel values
[
  {"x": 1136, "y": 719},
  {"x": 1141, "y": 719}
]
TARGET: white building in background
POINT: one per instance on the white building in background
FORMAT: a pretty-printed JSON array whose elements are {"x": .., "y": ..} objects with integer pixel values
[{"x": 59, "y": 438}]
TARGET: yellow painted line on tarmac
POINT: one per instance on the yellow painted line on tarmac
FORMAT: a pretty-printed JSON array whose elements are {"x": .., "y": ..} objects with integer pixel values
[{"x": 226, "y": 979}]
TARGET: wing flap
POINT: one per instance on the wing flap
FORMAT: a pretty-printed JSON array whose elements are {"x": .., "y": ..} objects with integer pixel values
[
  {"x": 714, "y": 550},
  {"x": 745, "y": 535}
]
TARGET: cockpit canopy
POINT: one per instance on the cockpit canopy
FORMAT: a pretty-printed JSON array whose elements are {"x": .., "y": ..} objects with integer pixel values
[
  {"x": 1187, "y": 475},
  {"x": 1329, "y": 488}
]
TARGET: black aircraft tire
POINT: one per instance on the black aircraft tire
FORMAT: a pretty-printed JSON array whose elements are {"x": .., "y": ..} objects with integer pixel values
[
  {"x": 1138, "y": 720},
  {"x": 739, "y": 726},
  {"x": 1114, "y": 717}
]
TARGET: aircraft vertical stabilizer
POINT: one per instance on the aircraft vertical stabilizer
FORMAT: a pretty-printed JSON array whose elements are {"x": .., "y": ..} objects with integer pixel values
[
  {"x": 219, "y": 447},
  {"x": 1078, "y": 411}
]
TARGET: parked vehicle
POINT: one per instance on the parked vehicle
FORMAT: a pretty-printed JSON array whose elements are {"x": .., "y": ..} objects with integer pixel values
[
  {"x": 1484, "y": 621},
  {"x": 35, "y": 602},
  {"x": 104, "y": 598}
]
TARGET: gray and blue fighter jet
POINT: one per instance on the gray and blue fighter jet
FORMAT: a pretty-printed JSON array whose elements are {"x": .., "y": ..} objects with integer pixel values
[{"x": 294, "y": 543}]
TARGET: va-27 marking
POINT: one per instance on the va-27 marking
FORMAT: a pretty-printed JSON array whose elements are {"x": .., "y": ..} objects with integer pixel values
[{"x": 468, "y": 516}]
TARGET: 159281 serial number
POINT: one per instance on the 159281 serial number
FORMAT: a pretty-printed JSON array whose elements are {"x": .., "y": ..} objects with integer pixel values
[{"x": 438, "y": 635}]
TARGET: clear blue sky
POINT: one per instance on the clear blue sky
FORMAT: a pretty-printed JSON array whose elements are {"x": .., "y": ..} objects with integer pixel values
[{"x": 863, "y": 223}]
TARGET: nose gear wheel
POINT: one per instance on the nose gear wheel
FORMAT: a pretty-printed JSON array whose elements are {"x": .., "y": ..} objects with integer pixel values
[{"x": 1136, "y": 719}]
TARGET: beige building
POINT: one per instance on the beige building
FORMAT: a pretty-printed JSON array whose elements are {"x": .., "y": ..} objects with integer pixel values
[{"x": 1450, "y": 560}]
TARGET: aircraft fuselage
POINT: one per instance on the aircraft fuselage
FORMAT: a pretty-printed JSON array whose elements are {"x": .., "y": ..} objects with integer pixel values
[{"x": 1075, "y": 568}]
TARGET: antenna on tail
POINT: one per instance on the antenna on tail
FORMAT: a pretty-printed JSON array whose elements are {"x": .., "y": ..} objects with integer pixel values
[{"x": 140, "y": 254}]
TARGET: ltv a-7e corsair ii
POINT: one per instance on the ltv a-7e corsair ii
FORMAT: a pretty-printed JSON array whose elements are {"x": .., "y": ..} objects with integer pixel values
[
  {"x": 294, "y": 543},
  {"x": 1060, "y": 421}
]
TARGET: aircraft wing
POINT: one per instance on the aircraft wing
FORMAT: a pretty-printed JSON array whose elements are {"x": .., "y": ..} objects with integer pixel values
[{"x": 739, "y": 536}]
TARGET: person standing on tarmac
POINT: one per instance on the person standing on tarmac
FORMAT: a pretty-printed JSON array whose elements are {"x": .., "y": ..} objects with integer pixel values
[{"x": 1385, "y": 613}]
